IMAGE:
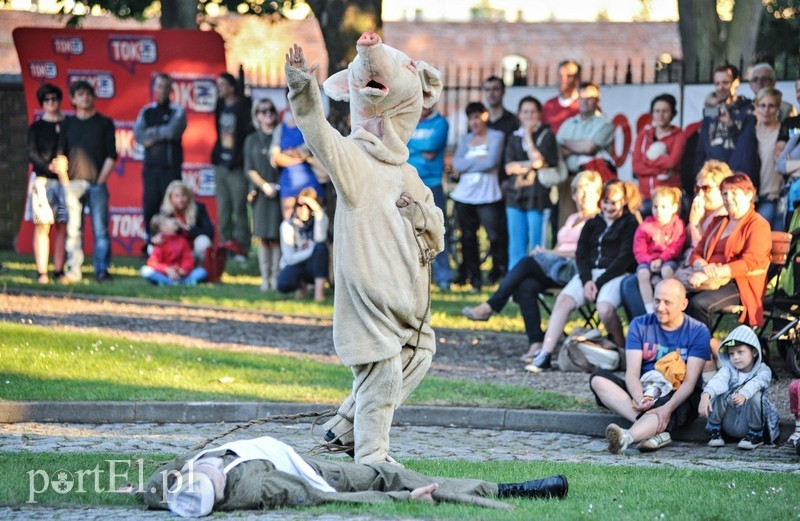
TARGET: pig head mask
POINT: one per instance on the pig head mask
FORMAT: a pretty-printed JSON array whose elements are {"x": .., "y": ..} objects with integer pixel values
[{"x": 386, "y": 90}]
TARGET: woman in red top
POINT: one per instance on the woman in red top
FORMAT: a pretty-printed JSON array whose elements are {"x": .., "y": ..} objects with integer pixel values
[
  {"x": 658, "y": 150},
  {"x": 737, "y": 247}
]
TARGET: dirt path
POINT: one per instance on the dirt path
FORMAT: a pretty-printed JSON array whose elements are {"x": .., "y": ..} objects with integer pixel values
[{"x": 472, "y": 355}]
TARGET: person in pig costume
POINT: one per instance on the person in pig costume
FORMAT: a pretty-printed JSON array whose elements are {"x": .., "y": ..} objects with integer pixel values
[{"x": 387, "y": 229}]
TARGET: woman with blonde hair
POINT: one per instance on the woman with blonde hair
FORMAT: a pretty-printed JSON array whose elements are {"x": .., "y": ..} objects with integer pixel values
[
  {"x": 604, "y": 257},
  {"x": 265, "y": 190},
  {"x": 768, "y": 104},
  {"x": 192, "y": 217},
  {"x": 544, "y": 269}
]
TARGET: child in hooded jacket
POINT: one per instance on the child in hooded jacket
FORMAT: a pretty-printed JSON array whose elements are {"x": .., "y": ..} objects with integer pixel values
[
  {"x": 171, "y": 261},
  {"x": 735, "y": 399},
  {"x": 659, "y": 242}
]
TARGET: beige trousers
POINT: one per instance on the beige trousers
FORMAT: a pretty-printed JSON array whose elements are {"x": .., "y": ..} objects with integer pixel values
[{"x": 365, "y": 417}]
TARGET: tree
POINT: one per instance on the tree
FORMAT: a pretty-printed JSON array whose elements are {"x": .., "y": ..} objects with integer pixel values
[
  {"x": 709, "y": 41},
  {"x": 341, "y": 23},
  {"x": 779, "y": 37}
]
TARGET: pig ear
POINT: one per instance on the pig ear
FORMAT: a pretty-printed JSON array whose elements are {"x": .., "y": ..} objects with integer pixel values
[
  {"x": 337, "y": 86},
  {"x": 431, "y": 83}
]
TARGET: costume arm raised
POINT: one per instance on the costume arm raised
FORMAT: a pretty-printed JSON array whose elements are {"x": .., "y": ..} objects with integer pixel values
[{"x": 337, "y": 153}]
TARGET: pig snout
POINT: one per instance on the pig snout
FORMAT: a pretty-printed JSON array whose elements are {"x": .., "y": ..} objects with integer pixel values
[{"x": 368, "y": 39}]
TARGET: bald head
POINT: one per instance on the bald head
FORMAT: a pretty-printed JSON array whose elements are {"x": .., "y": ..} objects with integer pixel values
[
  {"x": 673, "y": 287},
  {"x": 669, "y": 301}
]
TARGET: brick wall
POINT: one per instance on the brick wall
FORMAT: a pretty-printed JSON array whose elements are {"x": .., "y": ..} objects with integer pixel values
[{"x": 13, "y": 159}]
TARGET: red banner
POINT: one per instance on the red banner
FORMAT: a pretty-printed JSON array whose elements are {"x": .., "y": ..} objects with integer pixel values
[{"x": 121, "y": 66}]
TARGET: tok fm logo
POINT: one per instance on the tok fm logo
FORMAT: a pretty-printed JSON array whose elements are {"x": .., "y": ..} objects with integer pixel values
[
  {"x": 127, "y": 147},
  {"x": 42, "y": 70},
  {"x": 128, "y": 51},
  {"x": 195, "y": 95},
  {"x": 68, "y": 46},
  {"x": 102, "y": 82}
]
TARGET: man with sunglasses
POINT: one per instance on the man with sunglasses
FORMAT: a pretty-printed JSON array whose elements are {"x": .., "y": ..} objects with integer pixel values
[{"x": 159, "y": 129}]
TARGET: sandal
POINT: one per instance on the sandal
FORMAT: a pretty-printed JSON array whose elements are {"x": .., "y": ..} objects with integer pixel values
[{"x": 467, "y": 312}]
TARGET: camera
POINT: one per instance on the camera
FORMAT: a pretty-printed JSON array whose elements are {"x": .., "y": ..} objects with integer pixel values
[{"x": 711, "y": 112}]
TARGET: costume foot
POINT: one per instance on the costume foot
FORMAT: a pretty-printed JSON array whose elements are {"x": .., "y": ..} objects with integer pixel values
[{"x": 552, "y": 487}]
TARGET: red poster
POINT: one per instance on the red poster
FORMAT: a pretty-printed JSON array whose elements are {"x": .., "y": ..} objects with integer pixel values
[{"x": 121, "y": 66}]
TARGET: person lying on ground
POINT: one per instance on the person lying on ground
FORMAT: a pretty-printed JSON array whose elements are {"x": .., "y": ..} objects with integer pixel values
[{"x": 265, "y": 473}]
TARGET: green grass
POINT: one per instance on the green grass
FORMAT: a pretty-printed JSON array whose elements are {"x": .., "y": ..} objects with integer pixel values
[
  {"x": 596, "y": 492},
  {"x": 37, "y": 363},
  {"x": 240, "y": 289}
]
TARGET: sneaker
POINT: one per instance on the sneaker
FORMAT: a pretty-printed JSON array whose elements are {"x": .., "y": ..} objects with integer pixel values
[
  {"x": 715, "y": 438},
  {"x": 618, "y": 438},
  {"x": 540, "y": 362},
  {"x": 103, "y": 276},
  {"x": 655, "y": 443},
  {"x": 751, "y": 441}
]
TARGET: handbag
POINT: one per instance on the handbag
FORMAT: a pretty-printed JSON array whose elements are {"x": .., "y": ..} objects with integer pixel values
[
  {"x": 214, "y": 262},
  {"x": 585, "y": 350},
  {"x": 559, "y": 269},
  {"x": 551, "y": 176},
  {"x": 40, "y": 206}
]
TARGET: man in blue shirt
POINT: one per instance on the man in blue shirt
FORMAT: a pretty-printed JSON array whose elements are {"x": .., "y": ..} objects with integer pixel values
[
  {"x": 650, "y": 338},
  {"x": 426, "y": 153}
]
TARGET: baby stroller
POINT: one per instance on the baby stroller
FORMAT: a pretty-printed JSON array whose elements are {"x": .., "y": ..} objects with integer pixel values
[{"x": 782, "y": 307}]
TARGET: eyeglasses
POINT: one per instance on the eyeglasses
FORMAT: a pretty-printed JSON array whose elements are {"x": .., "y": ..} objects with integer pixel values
[
  {"x": 703, "y": 188},
  {"x": 50, "y": 98},
  {"x": 265, "y": 111}
]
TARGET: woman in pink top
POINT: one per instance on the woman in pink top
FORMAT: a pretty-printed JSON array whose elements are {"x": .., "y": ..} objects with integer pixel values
[{"x": 536, "y": 273}]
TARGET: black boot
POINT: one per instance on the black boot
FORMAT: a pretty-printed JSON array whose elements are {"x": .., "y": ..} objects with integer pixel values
[
  {"x": 331, "y": 437},
  {"x": 554, "y": 486}
]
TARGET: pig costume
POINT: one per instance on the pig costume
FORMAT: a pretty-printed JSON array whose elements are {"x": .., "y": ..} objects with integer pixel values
[{"x": 384, "y": 245}]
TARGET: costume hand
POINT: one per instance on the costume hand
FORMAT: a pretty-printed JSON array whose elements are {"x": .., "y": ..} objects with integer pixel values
[
  {"x": 738, "y": 399},
  {"x": 590, "y": 291},
  {"x": 424, "y": 493},
  {"x": 406, "y": 199},
  {"x": 663, "y": 414},
  {"x": 705, "y": 408},
  {"x": 296, "y": 60}
]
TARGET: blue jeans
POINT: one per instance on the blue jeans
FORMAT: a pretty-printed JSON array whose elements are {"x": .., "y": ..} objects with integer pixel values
[
  {"x": 769, "y": 211},
  {"x": 315, "y": 267},
  {"x": 156, "y": 277},
  {"x": 525, "y": 232},
  {"x": 95, "y": 196},
  {"x": 631, "y": 298},
  {"x": 442, "y": 272}
]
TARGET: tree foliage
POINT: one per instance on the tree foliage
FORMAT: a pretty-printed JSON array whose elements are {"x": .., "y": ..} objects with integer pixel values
[{"x": 779, "y": 37}]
